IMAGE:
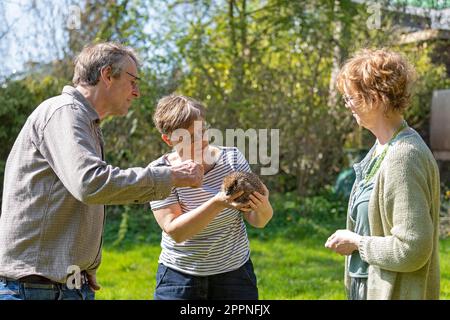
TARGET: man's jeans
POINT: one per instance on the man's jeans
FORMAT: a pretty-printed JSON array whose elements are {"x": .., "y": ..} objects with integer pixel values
[
  {"x": 15, "y": 290},
  {"x": 239, "y": 284}
]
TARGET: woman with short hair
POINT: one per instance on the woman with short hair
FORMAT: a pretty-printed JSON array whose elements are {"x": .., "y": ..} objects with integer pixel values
[
  {"x": 205, "y": 248},
  {"x": 392, "y": 239}
]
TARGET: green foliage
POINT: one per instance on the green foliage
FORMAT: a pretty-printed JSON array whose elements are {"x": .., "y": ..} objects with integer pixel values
[
  {"x": 123, "y": 227},
  {"x": 18, "y": 98},
  {"x": 297, "y": 217},
  {"x": 268, "y": 67},
  {"x": 428, "y": 80},
  {"x": 134, "y": 224},
  {"x": 17, "y": 101}
]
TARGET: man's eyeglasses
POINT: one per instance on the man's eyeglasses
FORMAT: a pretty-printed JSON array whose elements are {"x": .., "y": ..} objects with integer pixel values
[
  {"x": 135, "y": 77},
  {"x": 133, "y": 82}
]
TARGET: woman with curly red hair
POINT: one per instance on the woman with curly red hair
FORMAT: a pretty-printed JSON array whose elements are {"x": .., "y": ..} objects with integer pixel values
[{"x": 392, "y": 238}]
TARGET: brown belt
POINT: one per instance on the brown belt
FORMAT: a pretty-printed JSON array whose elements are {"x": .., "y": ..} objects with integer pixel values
[{"x": 36, "y": 279}]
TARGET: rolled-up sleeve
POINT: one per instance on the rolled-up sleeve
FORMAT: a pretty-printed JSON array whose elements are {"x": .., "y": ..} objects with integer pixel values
[{"x": 72, "y": 150}]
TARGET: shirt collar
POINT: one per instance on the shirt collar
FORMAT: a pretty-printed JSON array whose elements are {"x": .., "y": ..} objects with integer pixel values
[{"x": 92, "y": 113}]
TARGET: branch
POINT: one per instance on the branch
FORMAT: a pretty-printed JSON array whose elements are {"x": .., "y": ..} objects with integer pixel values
[{"x": 249, "y": 13}]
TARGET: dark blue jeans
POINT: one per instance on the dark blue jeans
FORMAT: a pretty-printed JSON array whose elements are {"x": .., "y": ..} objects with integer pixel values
[
  {"x": 14, "y": 290},
  {"x": 239, "y": 284}
]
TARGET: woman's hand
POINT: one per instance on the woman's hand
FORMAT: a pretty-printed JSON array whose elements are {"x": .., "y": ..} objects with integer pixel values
[
  {"x": 343, "y": 242},
  {"x": 260, "y": 203},
  {"x": 259, "y": 211},
  {"x": 227, "y": 201}
]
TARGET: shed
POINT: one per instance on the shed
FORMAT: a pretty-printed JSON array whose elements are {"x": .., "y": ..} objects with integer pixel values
[{"x": 440, "y": 125}]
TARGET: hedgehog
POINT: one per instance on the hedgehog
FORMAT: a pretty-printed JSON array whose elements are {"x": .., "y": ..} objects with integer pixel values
[{"x": 242, "y": 181}]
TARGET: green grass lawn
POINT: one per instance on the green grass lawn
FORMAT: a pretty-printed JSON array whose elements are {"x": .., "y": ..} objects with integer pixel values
[{"x": 286, "y": 269}]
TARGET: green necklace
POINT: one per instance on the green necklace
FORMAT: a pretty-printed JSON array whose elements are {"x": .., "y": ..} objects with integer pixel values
[{"x": 377, "y": 164}]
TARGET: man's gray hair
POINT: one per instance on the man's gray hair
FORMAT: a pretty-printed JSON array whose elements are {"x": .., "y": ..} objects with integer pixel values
[{"x": 94, "y": 57}]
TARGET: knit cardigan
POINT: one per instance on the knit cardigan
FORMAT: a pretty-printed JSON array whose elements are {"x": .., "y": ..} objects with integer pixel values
[{"x": 403, "y": 247}]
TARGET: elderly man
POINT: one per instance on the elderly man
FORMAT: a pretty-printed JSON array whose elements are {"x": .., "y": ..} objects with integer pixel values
[{"x": 57, "y": 182}]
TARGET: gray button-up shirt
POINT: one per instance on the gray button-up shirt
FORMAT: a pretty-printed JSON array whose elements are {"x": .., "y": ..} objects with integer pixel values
[{"x": 55, "y": 187}]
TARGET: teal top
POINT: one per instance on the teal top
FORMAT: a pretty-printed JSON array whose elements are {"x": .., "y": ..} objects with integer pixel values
[
  {"x": 359, "y": 213},
  {"x": 359, "y": 205}
]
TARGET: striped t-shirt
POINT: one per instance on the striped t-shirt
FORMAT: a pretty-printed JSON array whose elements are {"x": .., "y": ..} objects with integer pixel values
[{"x": 223, "y": 245}]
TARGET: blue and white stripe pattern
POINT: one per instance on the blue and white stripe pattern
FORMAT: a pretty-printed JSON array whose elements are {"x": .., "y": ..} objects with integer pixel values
[{"x": 223, "y": 245}]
